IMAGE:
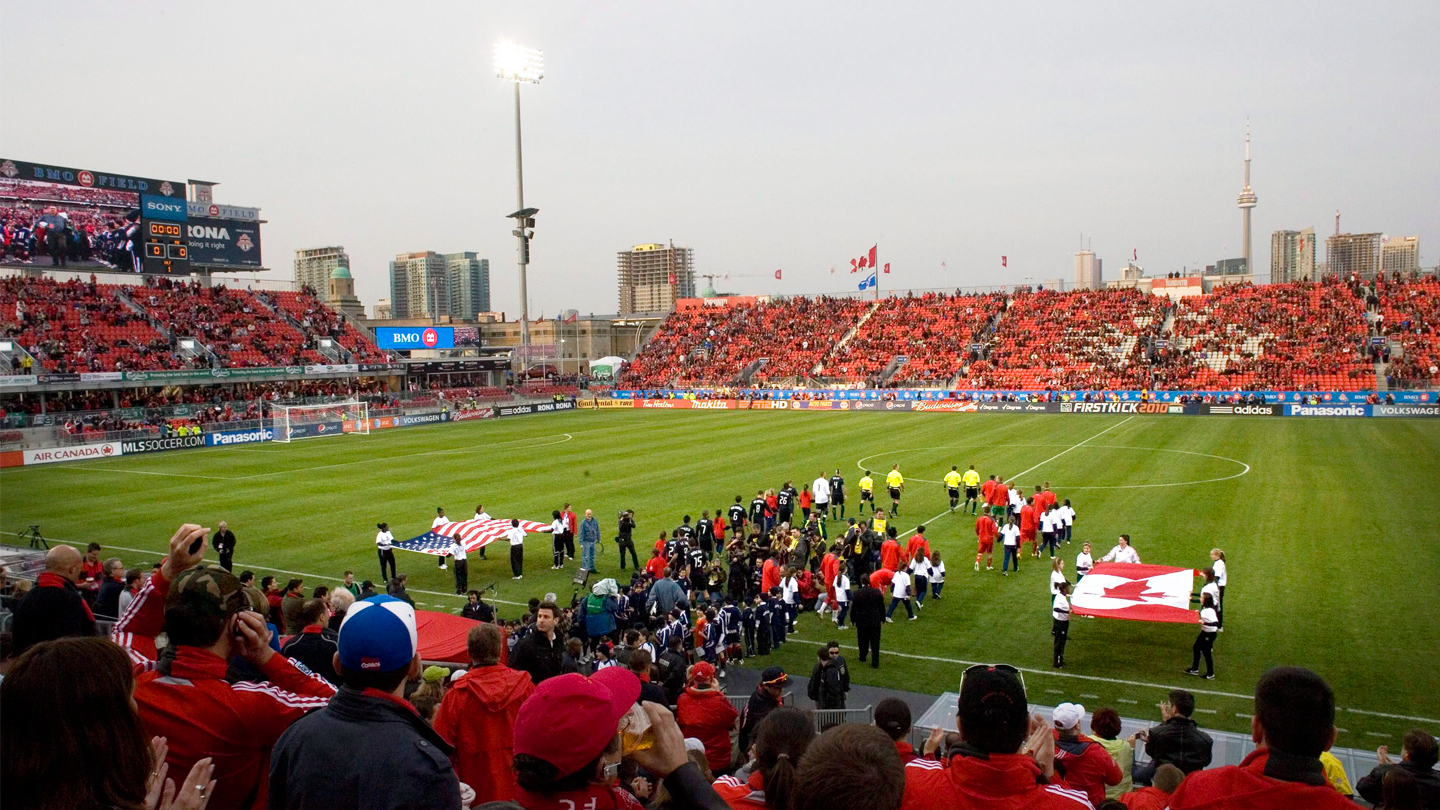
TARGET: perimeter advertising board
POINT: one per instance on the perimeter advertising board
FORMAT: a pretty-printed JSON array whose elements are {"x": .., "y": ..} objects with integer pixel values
[
  {"x": 224, "y": 243},
  {"x": 415, "y": 337}
]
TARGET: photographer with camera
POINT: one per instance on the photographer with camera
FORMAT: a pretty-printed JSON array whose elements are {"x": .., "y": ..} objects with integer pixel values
[
  {"x": 184, "y": 696},
  {"x": 624, "y": 538}
]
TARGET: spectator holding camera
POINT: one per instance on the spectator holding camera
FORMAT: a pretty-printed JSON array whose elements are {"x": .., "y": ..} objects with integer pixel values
[
  {"x": 1177, "y": 740},
  {"x": 184, "y": 696}
]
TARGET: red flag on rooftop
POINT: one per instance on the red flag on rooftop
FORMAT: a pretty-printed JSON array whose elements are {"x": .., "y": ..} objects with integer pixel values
[
  {"x": 1134, "y": 254},
  {"x": 887, "y": 267},
  {"x": 1004, "y": 261}
]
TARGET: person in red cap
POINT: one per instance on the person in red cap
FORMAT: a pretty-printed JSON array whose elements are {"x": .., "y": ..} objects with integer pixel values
[
  {"x": 707, "y": 715},
  {"x": 478, "y": 714},
  {"x": 1294, "y": 722},
  {"x": 1005, "y": 758},
  {"x": 568, "y": 747}
]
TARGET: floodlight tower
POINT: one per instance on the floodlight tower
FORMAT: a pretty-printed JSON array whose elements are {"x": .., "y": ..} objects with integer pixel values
[{"x": 519, "y": 64}]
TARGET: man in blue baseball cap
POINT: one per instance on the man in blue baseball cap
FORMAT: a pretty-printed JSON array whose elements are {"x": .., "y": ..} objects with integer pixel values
[{"x": 367, "y": 748}]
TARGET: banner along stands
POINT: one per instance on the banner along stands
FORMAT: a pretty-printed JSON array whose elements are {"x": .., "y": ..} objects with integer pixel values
[
  {"x": 158, "y": 444},
  {"x": 77, "y": 452}
]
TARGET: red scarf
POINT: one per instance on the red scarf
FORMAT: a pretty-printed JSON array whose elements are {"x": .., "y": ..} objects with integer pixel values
[{"x": 49, "y": 580}]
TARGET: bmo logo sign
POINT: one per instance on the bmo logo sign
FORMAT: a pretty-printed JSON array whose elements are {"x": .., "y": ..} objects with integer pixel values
[{"x": 415, "y": 337}]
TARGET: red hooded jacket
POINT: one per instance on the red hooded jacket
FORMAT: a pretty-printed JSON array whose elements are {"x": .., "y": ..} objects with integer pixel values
[
  {"x": 708, "y": 716},
  {"x": 1087, "y": 766},
  {"x": 1000, "y": 782},
  {"x": 477, "y": 716},
  {"x": 1265, "y": 780},
  {"x": 769, "y": 576},
  {"x": 890, "y": 555}
]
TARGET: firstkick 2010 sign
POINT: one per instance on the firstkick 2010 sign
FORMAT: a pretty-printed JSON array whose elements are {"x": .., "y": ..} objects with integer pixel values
[{"x": 415, "y": 337}]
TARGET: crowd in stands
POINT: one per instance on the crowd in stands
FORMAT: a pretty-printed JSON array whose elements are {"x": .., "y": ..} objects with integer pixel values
[
  {"x": 931, "y": 330},
  {"x": 217, "y": 691},
  {"x": 1072, "y": 340},
  {"x": 1288, "y": 336},
  {"x": 1238, "y": 337},
  {"x": 11, "y": 189},
  {"x": 75, "y": 326},
  {"x": 1409, "y": 314}
]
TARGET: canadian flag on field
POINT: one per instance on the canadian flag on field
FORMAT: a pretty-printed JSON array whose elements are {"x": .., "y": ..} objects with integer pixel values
[
  {"x": 1147, "y": 593},
  {"x": 777, "y": 275}
]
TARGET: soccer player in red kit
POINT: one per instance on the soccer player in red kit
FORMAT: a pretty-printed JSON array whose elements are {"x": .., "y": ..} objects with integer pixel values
[
  {"x": 999, "y": 499},
  {"x": 985, "y": 533},
  {"x": 1029, "y": 525}
]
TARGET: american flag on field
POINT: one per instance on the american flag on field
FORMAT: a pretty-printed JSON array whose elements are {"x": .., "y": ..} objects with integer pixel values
[{"x": 474, "y": 534}]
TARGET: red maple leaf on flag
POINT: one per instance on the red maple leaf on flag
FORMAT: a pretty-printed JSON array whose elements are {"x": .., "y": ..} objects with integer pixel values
[{"x": 1134, "y": 590}]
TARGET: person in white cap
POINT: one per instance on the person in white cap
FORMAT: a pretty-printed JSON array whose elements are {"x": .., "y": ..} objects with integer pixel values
[
  {"x": 368, "y": 747},
  {"x": 1086, "y": 764}
]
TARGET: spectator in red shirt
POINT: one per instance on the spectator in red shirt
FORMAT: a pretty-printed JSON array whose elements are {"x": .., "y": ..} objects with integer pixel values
[
  {"x": 208, "y": 617},
  {"x": 477, "y": 717},
  {"x": 704, "y": 713},
  {"x": 1294, "y": 722},
  {"x": 1157, "y": 796},
  {"x": 92, "y": 573},
  {"x": 892, "y": 716},
  {"x": 1085, "y": 764}
]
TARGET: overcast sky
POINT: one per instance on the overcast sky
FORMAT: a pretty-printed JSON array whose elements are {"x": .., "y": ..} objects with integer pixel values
[{"x": 764, "y": 135}]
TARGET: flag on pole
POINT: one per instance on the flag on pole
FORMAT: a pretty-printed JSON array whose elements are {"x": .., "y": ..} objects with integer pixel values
[
  {"x": 868, "y": 282},
  {"x": 854, "y": 266},
  {"x": 1134, "y": 254},
  {"x": 777, "y": 275},
  {"x": 574, "y": 316},
  {"x": 863, "y": 262},
  {"x": 873, "y": 262},
  {"x": 1148, "y": 593},
  {"x": 1004, "y": 261},
  {"x": 473, "y": 535},
  {"x": 887, "y": 267}
]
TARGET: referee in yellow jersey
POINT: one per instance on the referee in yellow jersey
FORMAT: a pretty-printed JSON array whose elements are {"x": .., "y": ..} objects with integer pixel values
[
  {"x": 867, "y": 493},
  {"x": 895, "y": 482},
  {"x": 972, "y": 489},
  {"x": 952, "y": 487}
]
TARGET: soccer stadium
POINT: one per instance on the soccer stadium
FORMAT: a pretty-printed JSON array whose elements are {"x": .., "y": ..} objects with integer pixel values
[{"x": 1018, "y": 543}]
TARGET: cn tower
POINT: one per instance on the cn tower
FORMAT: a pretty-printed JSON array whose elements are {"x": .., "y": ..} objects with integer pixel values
[{"x": 1246, "y": 202}]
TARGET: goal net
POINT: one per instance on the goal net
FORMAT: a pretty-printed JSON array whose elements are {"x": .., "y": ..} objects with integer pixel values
[{"x": 291, "y": 422}]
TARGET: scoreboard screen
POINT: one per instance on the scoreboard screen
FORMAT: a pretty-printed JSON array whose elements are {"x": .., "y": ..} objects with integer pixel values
[{"x": 166, "y": 250}]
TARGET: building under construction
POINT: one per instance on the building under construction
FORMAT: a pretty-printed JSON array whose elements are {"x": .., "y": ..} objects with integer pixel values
[
  {"x": 1356, "y": 254},
  {"x": 654, "y": 276}
]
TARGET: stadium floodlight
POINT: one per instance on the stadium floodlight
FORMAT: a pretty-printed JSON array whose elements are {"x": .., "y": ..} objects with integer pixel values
[{"x": 517, "y": 63}]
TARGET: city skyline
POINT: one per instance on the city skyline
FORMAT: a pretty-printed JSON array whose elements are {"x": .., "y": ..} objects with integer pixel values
[{"x": 774, "y": 151}]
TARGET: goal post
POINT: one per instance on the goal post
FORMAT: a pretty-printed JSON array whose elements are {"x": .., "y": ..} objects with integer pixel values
[{"x": 291, "y": 422}]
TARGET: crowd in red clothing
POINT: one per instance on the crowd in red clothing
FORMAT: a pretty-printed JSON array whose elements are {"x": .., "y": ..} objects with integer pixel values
[
  {"x": 1410, "y": 316},
  {"x": 75, "y": 326},
  {"x": 1274, "y": 336},
  {"x": 935, "y": 332},
  {"x": 1088, "y": 339}
]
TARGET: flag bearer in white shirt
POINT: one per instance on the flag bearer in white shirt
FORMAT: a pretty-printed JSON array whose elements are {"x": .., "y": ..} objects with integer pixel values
[
  {"x": 1083, "y": 562},
  {"x": 440, "y": 520},
  {"x": 384, "y": 544},
  {"x": 1122, "y": 552},
  {"x": 1067, "y": 519},
  {"x": 1205, "y": 642},
  {"x": 1217, "y": 563},
  {"x": 900, "y": 594},
  {"x": 462, "y": 568},
  {"x": 481, "y": 514},
  {"x": 937, "y": 574},
  {"x": 1060, "y": 612}
]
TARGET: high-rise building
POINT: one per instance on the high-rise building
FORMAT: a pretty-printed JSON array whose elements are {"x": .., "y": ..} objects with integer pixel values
[
  {"x": 1401, "y": 255},
  {"x": 1353, "y": 254},
  {"x": 1292, "y": 256},
  {"x": 654, "y": 276},
  {"x": 1246, "y": 201},
  {"x": 1088, "y": 273},
  {"x": 469, "y": 284},
  {"x": 419, "y": 285},
  {"x": 313, "y": 267},
  {"x": 381, "y": 310}
]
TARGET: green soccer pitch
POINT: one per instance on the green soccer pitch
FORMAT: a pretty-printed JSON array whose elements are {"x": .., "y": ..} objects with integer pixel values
[{"x": 1329, "y": 526}]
